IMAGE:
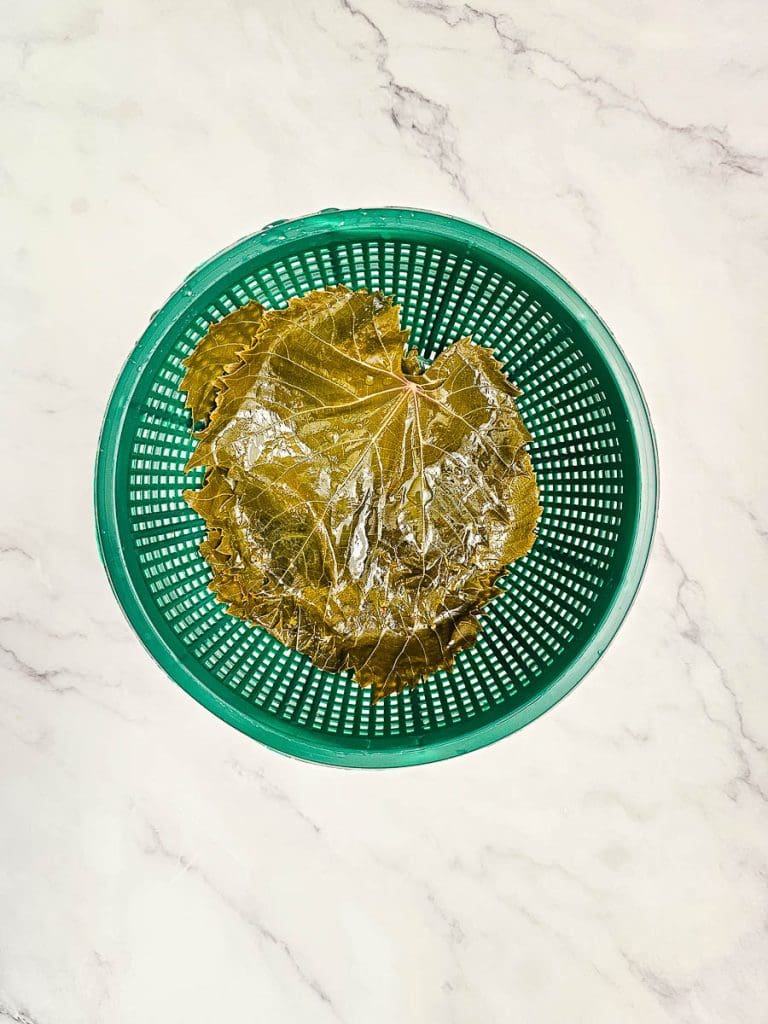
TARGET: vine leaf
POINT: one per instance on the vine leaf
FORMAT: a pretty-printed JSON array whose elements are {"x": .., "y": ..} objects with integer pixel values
[
  {"x": 214, "y": 355},
  {"x": 360, "y": 510}
]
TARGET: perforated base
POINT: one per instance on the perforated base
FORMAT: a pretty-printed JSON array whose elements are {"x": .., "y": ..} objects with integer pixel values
[{"x": 593, "y": 453}]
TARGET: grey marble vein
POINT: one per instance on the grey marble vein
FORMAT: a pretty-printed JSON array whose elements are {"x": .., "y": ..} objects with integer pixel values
[
  {"x": 659, "y": 986},
  {"x": 19, "y": 619},
  {"x": 422, "y": 118},
  {"x": 45, "y": 676},
  {"x": 19, "y": 1016},
  {"x": 606, "y": 95},
  {"x": 693, "y": 632},
  {"x": 15, "y": 549},
  {"x": 273, "y": 792},
  {"x": 756, "y": 522},
  {"x": 253, "y": 923},
  {"x": 58, "y": 680},
  {"x": 509, "y": 853}
]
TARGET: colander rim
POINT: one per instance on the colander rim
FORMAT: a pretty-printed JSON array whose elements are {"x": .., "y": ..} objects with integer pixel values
[{"x": 305, "y": 744}]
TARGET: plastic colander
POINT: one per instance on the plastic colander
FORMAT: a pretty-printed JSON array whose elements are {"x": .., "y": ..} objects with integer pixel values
[{"x": 593, "y": 451}]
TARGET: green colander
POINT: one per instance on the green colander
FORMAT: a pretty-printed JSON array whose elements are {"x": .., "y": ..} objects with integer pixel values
[{"x": 593, "y": 452}]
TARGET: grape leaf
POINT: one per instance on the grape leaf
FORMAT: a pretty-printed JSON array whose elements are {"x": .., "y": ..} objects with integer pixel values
[
  {"x": 360, "y": 510},
  {"x": 216, "y": 353}
]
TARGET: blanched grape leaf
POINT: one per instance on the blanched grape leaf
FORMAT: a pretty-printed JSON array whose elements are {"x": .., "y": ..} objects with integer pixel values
[
  {"x": 216, "y": 353},
  {"x": 358, "y": 509}
]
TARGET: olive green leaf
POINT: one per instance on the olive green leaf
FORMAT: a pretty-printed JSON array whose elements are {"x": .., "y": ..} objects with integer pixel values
[
  {"x": 216, "y": 353},
  {"x": 359, "y": 509}
]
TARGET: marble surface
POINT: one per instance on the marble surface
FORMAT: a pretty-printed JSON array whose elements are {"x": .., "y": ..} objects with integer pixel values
[{"x": 610, "y": 862}]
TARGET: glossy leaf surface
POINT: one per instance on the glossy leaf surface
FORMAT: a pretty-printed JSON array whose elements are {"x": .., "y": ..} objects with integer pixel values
[{"x": 358, "y": 509}]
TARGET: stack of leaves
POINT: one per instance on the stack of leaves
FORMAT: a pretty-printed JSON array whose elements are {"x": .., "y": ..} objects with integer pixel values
[{"x": 357, "y": 508}]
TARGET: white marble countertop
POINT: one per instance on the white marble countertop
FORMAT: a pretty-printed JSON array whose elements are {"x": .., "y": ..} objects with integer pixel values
[{"x": 608, "y": 863}]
